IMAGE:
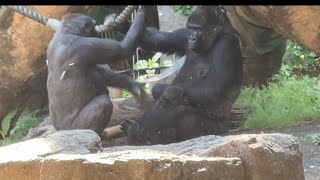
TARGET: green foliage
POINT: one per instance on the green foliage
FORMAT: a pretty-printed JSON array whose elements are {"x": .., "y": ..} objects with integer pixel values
[
  {"x": 125, "y": 93},
  {"x": 24, "y": 123},
  {"x": 296, "y": 54},
  {"x": 290, "y": 97},
  {"x": 184, "y": 10},
  {"x": 314, "y": 138},
  {"x": 150, "y": 63},
  {"x": 6, "y": 123},
  {"x": 144, "y": 64},
  {"x": 285, "y": 101},
  {"x": 301, "y": 61},
  {"x": 27, "y": 121}
]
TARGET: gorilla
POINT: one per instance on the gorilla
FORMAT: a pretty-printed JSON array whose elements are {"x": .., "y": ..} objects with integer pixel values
[
  {"x": 77, "y": 77},
  {"x": 198, "y": 102}
]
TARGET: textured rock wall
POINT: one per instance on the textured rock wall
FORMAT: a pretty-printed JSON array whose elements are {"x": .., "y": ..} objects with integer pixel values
[{"x": 77, "y": 154}]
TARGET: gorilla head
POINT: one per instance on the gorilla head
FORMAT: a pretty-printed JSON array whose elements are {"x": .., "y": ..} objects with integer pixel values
[
  {"x": 204, "y": 25},
  {"x": 79, "y": 24}
]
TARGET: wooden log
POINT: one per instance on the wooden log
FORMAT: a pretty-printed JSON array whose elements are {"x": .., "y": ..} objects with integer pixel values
[{"x": 112, "y": 132}]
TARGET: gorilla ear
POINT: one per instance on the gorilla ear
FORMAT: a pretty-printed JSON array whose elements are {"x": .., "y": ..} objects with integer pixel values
[{"x": 174, "y": 95}]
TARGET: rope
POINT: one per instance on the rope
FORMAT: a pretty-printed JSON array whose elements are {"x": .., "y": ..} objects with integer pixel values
[
  {"x": 30, "y": 14},
  {"x": 126, "y": 13},
  {"x": 54, "y": 24}
]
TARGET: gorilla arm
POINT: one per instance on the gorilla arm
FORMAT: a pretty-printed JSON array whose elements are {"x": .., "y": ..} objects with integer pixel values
[
  {"x": 167, "y": 42},
  {"x": 123, "y": 81},
  {"x": 105, "y": 51}
]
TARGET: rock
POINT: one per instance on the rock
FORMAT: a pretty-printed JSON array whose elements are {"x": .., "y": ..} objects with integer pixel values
[
  {"x": 67, "y": 142},
  {"x": 298, "y": 23},
  {"x": 264, "y": 30},
  {"x": 241, "y": 157},
  {"x": 266, "y": 156}
]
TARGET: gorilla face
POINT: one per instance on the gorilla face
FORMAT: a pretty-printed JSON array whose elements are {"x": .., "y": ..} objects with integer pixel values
[{"x": 204, "y": 26}]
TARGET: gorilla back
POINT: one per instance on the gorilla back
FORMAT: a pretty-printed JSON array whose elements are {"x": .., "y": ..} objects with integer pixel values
[{"x": 77, "y": 84}]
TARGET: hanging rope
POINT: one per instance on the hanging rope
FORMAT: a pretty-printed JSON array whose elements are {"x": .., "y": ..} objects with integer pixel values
[
  {"x": 126, "y": 14},
  {"x": 30, "y": 14},
  {"x": 54, "y": 24}
]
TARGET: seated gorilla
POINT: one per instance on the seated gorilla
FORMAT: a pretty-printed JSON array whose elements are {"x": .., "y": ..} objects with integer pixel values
[
  {"x": 77, "y": 79},
  {"x": 199, "y": 100}
]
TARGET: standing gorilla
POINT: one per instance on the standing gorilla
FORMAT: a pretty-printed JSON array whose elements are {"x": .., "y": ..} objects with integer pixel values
[
  {"x": 199, "y": 100},
  {"x": 77, "y": 82}
]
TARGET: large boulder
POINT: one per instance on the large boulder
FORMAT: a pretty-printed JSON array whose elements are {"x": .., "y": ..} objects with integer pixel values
[
  {"x": 241, "y": 157},
  {"x": 298, "y": 23},
  {"x": 264, "y": 30}
]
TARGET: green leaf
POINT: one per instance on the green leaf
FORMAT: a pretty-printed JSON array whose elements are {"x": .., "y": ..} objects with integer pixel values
[
  {"x": 141, "y": 64},
  {"x": 150, "y": 62},
  {"x": 6, "y": 121},
  {"x": 154, "y": 65},
  {"x": 167, "y": 63},
  {"x": 140, "y": 78},
  {"x": 150, "y": 72},
  {"x": 156, "y": 57}
]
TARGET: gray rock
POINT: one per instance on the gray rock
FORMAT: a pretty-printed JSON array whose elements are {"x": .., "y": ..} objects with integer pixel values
[
  {"x": 67, "y": 142},
  {"x": 238, "y": 157}
]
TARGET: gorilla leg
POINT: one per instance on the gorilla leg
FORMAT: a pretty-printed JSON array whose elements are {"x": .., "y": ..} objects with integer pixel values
[
  {"x": 95, "y": 115},
  {"x": 157, "y": 90},
  {"x": 195, "y": 124}
]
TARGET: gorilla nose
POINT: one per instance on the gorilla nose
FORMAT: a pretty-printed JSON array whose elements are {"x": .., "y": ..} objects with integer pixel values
[{"x": 193, "y": 39}]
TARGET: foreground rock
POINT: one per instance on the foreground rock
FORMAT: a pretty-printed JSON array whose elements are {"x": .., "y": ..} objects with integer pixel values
[{"x": 66, "y": 156}]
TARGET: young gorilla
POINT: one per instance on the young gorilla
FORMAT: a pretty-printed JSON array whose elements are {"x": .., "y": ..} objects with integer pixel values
[
  {"x": 198, "y": 101},
  {"x": 77, "y": 80}
]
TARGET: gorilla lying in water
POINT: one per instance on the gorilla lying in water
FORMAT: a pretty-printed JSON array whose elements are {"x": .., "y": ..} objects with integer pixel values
[
  {"x": 199, "y": 100},
  {"x": 77, "y": 79}
]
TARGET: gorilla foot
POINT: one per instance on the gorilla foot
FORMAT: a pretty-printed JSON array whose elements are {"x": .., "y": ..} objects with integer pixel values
[{"x": 40, "y": 132}]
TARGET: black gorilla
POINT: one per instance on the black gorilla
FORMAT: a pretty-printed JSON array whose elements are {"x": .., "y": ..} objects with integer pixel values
[
  {"x": 77, "y": 80},
  {"x": 198, "y": 101}
]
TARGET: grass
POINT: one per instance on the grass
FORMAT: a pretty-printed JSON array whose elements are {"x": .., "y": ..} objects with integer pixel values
[
  {"x": 315, "y": 138},
  {"x": 290, "y": 97},
  {"x": 286, "y": 101},
  {"x": 24, "y": 123}
]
